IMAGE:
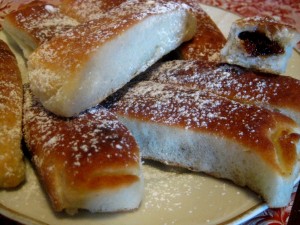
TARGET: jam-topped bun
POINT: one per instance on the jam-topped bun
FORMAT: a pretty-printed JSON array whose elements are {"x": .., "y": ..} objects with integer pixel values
[
  {"x": 280, "y": 93},
  {"x": 34, "y": 23},
  {"x": 88, "y": 162},
  {"x": 81, "y": 67},
  {"x": 12, "y": 166},
  {"x": 202, "y": 131},
  {"x": 261, "y": 43}
]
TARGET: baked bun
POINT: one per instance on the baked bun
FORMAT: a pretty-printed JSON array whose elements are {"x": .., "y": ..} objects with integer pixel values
[
  {"x": 34, "y": 23},
  {"x": 204, "y": 132},
  {"x": 279, "y": 93},
  {"x": 261, "y": 43},
  {"x": 12, "y": 167},
  {"x": 80, "y": 68},
  {"x": 89, "y": 162},
  {"x": 208, "y": 40}
]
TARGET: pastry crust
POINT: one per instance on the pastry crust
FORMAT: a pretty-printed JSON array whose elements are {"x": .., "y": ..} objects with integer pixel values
[
  {"x": 85, "y": 10},
  {"x": 12, "y": 167},
  {"x": 202, "y": 131},
  {"x": 208, "y": 40},
  {"x": 88, "y": 162},
  {"x": 279, "y": 93}
]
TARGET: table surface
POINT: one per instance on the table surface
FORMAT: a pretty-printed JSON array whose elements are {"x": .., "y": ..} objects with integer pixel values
[{"x": 287, "y": 11}]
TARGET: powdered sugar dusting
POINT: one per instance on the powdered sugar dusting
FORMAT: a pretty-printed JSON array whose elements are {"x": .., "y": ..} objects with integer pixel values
[
  {"x": 208, "y": 40},
  {"x": 85, "y": 10},
  {"x": 11, "y": 164},
  {"x": 43, "y": 21},
  {"x": 51, "y": 8},
  {"x": 232, "y": 82},
  {"x": 163, "y": 194},
  {"x": 264, "y": 21},
  {"x": 93, "y": 139},
  {"x": 197, "y": 110},
  {"x": 68, "y": 53},
  {"x": 170, "y": 192}
]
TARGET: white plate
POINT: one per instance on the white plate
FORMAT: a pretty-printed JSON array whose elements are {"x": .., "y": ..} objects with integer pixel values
[{"x": 171, "y": 196}]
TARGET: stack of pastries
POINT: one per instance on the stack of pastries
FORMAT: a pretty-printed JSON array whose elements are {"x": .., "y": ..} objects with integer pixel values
[
  {"x": 100, "y": 97},
  {"x": 84, "y": 156}
]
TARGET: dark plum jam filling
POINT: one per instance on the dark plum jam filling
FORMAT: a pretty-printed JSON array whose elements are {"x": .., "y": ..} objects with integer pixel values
[{"x": 258, "y": 44}]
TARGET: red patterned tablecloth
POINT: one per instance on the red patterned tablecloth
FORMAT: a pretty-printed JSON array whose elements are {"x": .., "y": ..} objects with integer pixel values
[{"x": 287, "y": 11}]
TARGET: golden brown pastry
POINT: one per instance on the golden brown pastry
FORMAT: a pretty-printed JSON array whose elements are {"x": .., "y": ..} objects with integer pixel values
[
  {"x": 208, "y": 40},
  {"x": 205, "y": 132},
  {"x": 35, "y": 23},
  {"x": 89, "y": 162},
  {"x": 12, "y": 167},
  {"x": 280, "y": 93},
  {"x": 81, "y": 67},
  {"x": 262, "y": 43}
]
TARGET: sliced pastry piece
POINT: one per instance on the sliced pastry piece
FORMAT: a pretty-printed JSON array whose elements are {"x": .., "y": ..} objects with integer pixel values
[
  {"x": 35, "y": 23},
  {"x": 208, "y": 40},
  {"x": 205, "y": 132},
  {"x": 261, "y": 43},
  {"x": 280, "y": 93},
  {"x": 85, "y": 10},
  {"x": 80, "y": 68},
  {"x": 12, "y": 167},
  {"x": 89, "y": 162}
]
